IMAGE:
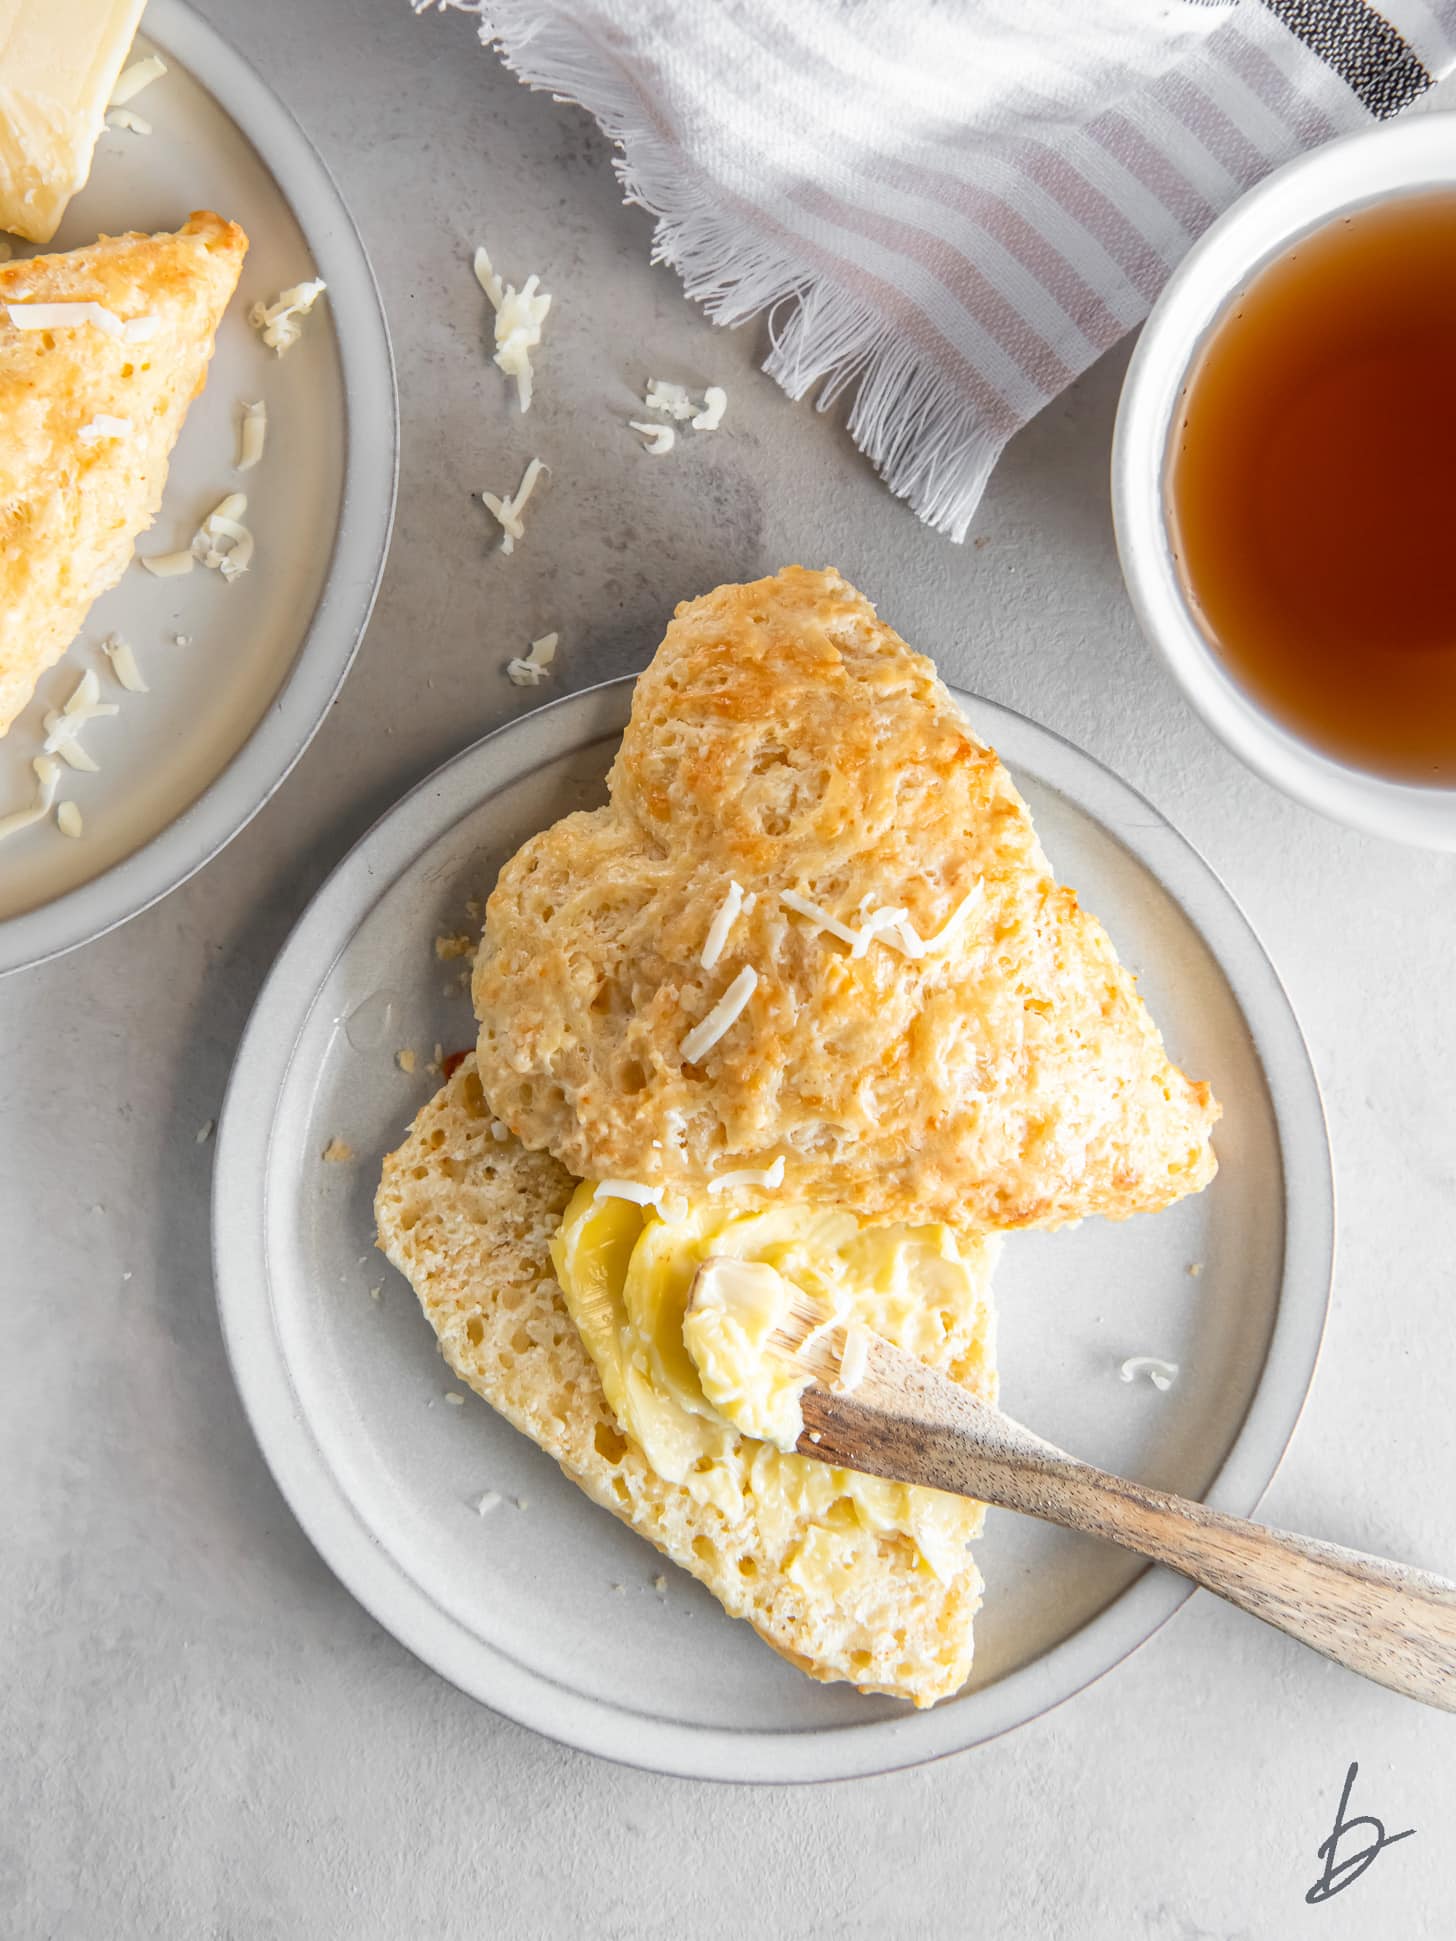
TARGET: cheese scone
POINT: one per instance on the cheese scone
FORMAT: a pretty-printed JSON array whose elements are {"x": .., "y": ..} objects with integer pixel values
[
  {"x": 843, "y": 1575},
  {"x": 75, "y": 489},
  {"x": 980, "y": 1058}
]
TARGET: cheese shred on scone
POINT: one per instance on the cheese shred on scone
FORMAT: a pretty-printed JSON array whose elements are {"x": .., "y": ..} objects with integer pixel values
[
  {"x": 470, "y": 1219},
  {"x": 101, "y": 352},
  {"x": 909, "y": 1011}
]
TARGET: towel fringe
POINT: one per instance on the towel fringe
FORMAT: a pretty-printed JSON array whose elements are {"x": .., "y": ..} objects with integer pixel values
[{"x": 932, "y": 449}]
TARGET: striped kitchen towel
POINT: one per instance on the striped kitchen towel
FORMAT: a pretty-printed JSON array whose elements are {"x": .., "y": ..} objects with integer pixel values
[{"x": 948, "y": 208}]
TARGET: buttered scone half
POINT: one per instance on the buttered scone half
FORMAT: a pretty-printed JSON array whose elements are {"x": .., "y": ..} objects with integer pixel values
[
  {"x": 563, "y": 1304},
  {"x": 813, "y": 940},
  {"x": 101, "y": 352}
]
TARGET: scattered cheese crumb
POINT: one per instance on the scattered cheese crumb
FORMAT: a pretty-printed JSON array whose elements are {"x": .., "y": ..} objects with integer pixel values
[
  {"x": 252, "y": 432},
  {"x": 167, "y": 566},
  {"x": 491, "y": 1500},
  {"x": 124, "y": 119},
  {"x": 47, "y": 774},
  {"x": 659, "y": 1584},
  {"x": 405, "y": 1059},
  {"x": 673, "y": 399},
  {"x": 715, "y": 403},
  {"x": 455, "y": 1399},
  {"x": 507, "y": 512},
  {"x": 103, "y": 425},
  {"x": 657, "y": 439},
  {"x": 224, "y": 523},
  {"x": 724, "y": 919},
  {"x": 532, "y": 670},
  {"x": 68, "y": 819},
  {"x": 519, "y": 315},
  {"x": 338, "y": 1151},
  {"x": 124, "y": 664},
  {"x": 1195, "y": 1268},
  {"x": 63, "y": 727},
  {"x": 205, "y": 1131},
  {"x": 133, "y": 78},
  {"x": 459, "y": 945},
  {"x": 278, "y": 320},
  {"x": 721, "y": 1018},
  {"x": 1162, "y": 1374}
]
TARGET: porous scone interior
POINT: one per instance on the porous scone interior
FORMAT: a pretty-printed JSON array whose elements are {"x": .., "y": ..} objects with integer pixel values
[{"x": 468, "y": 1218}]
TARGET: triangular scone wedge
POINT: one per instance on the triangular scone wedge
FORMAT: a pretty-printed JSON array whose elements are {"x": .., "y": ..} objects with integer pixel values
[
  {"x": 71, "y": 507},
  {"x": 785, "y": 740},
  {"x": 468, "y": 1220}
]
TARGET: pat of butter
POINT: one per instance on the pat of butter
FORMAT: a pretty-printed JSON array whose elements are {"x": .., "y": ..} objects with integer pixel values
[
  {"x": 626, "y": 1274},
  {"x": 59, "y": 60},
  {"x": 737, "y": 1307}
]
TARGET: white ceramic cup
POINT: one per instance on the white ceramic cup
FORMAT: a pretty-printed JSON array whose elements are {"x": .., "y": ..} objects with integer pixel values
[{"x": 1304, "y": 195}]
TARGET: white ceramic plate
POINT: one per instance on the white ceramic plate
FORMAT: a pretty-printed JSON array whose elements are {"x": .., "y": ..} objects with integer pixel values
[
  {"x": 185, "y": 766},
  {"x": 521, "y": 1608}
]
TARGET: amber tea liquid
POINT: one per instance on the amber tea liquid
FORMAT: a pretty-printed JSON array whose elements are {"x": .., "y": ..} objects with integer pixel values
[{"x": 1312, "y": 480}]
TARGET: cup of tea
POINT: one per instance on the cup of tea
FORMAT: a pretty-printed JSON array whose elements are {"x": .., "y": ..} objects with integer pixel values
[{"x": 1284, "y": 479}]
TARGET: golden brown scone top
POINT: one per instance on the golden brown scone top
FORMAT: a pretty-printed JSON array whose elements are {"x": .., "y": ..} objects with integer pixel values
[
  {"x": 70, "y": 512},
  {"x": 785, "y": 738}
]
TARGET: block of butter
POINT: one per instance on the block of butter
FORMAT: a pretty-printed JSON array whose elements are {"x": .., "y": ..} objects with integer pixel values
[{"x": 59, "y": 60}]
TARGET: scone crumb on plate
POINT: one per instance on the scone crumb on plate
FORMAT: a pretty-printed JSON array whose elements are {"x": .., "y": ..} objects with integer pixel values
[
  {"x": 454, "y": 944},
  {"x": 1162, "y": 1374},
  {"x": 523, "y": 1502},
  {"x": 659, "y": 1584},
  {"x": 405, "y": 1059},
  {"x": 338, "y": 1151},
  {"x": 455, "y": 1398},
  {"x": 205, "y": 1131},
  {"x": 491, "y": 1500},
  {"x": 376, "y": 1293},
  {"x": 1195, "y": 1268}
]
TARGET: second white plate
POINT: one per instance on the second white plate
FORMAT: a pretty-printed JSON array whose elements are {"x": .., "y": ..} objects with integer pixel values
[
  {"x": 548, "y": 1611},
  {"x": 184, "y": 766}
]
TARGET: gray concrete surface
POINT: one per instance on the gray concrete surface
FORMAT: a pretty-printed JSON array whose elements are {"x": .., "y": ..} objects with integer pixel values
[{"x": 200, "y": 1733}]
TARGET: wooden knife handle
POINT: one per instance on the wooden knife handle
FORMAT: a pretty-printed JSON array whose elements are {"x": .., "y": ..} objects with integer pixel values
[{"x": 1391, "y": 1623}]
